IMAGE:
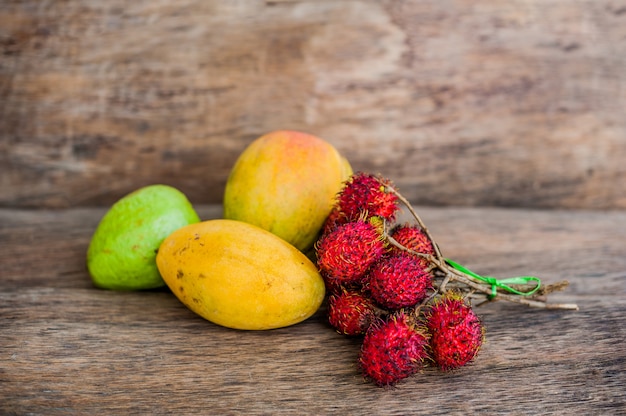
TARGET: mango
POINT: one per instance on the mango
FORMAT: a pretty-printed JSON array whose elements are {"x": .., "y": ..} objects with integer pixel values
[
  {"x": 240, "y": 276},
  {"x": 286, "y": 183},
  {"x": 122, "y": 251}
]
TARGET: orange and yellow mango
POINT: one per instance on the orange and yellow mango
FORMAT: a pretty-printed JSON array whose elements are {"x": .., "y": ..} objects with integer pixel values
[{"x": 286, "y": 182}]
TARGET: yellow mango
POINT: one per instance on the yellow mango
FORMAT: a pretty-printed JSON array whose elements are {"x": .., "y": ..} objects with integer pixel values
[
  {"x": 240, "y": 276},
  {"x": 286, "y": 182}
]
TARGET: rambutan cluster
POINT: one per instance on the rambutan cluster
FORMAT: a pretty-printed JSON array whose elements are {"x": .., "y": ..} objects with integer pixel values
[
  {"x": 381, "y": 282},
  {"x": 389, "y": 284}
]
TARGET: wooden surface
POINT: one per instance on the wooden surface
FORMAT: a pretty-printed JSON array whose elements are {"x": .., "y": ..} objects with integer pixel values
[
  {"x": 68, "y": 348},
  {"x": 480, "y": 103}
]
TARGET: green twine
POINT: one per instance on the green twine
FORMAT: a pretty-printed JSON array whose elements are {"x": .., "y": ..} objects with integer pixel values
[{"x": 500, "y": 283}]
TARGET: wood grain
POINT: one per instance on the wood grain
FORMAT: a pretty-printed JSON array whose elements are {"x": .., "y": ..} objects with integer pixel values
[
  {"x": 483, "y": 103},
  {"x": 69, "y": 348}
]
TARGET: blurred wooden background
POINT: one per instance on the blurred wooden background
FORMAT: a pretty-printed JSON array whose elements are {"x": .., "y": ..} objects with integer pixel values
[{"x": 490, "y": 102}]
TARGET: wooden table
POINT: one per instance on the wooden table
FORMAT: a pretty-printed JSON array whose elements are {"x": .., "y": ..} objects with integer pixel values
[{"x": 68, "y": 348}]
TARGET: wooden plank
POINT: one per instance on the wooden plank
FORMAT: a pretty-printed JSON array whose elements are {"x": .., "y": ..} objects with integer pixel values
[
  {"x": 67, "y": 347},
  {"x": 507, "y": 103}
]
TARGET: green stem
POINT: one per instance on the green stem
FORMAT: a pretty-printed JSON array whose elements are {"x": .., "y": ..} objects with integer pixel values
[{"x": 500, "y": 283}]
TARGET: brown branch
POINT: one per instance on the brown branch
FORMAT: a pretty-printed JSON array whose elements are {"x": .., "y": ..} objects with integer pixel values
[
  {"x": 418, "y": 219},
  {"x": 450, "y": 274}
]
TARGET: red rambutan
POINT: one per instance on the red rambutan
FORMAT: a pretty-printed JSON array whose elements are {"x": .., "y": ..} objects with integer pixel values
[
  {"x": 392, "y": 350},
  {"x": 350, "y": 312},
  {"x": 345, "y": 254},
  {"x": 364, "y": 193},
  {"x": 456, "y": 332},
  {"x": 399, "y": 280},
  {"x": 334, "y": 219},
  {"x": 333, "y": 286},
  {"x": 413, "y": 238}
]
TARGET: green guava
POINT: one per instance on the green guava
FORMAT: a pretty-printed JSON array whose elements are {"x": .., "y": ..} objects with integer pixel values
[{"x": 122, "y": 251}]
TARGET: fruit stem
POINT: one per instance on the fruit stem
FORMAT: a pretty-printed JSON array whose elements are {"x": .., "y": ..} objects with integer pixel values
[
  {"x": 452, "y": 274},
  {"x": 484, "y": 288},
  {"x": 419, "y": 221}
]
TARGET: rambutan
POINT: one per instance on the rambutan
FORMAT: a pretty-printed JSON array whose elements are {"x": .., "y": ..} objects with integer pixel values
[
  {"x": 350, "y": 312},
  {"x": 367, "y": 194},
  {"x": 456, "y": 332},
  {"x": 393, "y": 349},
  {"x": 334, "y": 286},
  {"x": 399, "y": 280},
  {"x": 412, "y": 237},
  {"x": 345, "y": 254},
  {"x": 334, "y": 219}
]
